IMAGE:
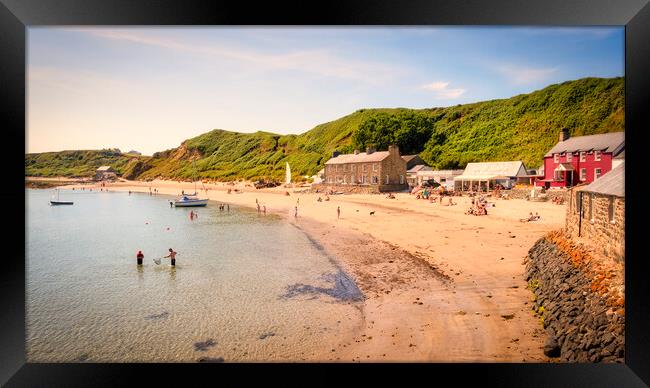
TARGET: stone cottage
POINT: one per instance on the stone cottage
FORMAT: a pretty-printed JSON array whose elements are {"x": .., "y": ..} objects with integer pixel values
[
  {"x": 375, "y": 170},
  {"x": 596, "y": 213}
]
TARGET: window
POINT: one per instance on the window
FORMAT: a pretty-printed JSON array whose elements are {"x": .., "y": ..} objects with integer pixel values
[
  {"x": 582, "y": 156},
  {"x": 558, "y": 175},
  {"x": 596, "y": 155},
  {"x": 583, "y": 174},
  {"x": 363, "y": 179},
  {"x": 556, "y": 158},
  {"x": 353, "y": 167},
  {"x": 401, "y": 179},
  {"x": 610, "y": 210},
  {"x": 345, "y": 179},
  {"x": 597, "y": 172},
  {"x": 569, "y": 156},
  {"x": 374, "y": 167},
  {"x": 375, "y": 179},
  {"x": 365, "y": 167},
  {"x": 387, "y": 180},
  {"x": 591, "y": 207}
]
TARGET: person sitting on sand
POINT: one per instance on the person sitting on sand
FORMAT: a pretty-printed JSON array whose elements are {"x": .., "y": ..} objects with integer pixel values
[
  {"x": 320, "y": 199},
  {"x": 451, "y": 202},
  {"x": 531, "y": 217}
]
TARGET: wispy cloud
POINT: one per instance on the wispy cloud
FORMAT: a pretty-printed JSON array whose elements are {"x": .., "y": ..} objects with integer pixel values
[
  {"x": 523, "y": 75},
  {"x": 321, "y": 61},
  {"x": 442, "y": 90}
]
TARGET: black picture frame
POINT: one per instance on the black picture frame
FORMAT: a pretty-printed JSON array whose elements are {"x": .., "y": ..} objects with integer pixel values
[{"x": 17, "y": 15}]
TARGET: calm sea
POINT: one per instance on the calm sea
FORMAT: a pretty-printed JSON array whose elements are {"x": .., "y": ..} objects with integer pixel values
[{"x": 245, "y": 287}]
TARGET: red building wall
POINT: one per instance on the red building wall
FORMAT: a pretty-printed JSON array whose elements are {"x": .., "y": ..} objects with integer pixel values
[{"x": 605, "y": 164}]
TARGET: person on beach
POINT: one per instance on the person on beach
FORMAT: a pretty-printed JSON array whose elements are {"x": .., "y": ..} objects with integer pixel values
[
  {"x": 338, "y": 212},
  {"x": 191, "y": 214},
  {"x": 295, "y": 214},
  {"x": 229, "y": 207},
  {"x": 264, "y": 207},
  {"x": 172, "y": 254},
  {"x": 139, "y": 257},
  {"x": 258, "y": 207}
]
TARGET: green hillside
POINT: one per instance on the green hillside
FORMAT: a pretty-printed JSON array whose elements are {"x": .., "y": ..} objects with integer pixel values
[
  {"x": 523, "y": 127},
  {"x": 75, "y": 163}
]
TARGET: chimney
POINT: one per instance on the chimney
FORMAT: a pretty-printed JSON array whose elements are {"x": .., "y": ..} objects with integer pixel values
[
  {"x": 393, "y": 149},
  {"x": 356, "y": 152},
  {"x": 564, "y": 134},
  {"x": 370, "y": 150},
  {"x": 335, "y": 154}
]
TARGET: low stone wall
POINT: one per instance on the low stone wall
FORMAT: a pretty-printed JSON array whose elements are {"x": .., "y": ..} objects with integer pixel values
[
  {"x": 353, "y": 189},
  {"x": 525, "y": 193},
  {"x": 583, "y": 318}
]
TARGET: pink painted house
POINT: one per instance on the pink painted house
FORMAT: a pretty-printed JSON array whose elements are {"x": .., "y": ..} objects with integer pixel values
[{"x": 581, "y": 159}]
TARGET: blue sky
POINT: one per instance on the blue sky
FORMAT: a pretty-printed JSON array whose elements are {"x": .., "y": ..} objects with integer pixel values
[{"x": 148, "y": 89}]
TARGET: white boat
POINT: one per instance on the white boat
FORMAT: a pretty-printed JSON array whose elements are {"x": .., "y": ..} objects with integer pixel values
[
  {"x": 58, "y": 201},
  {"x": 190, "y": 200}
]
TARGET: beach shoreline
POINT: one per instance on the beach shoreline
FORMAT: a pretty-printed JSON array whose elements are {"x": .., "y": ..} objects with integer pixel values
[{"x": 439, "y": 285}]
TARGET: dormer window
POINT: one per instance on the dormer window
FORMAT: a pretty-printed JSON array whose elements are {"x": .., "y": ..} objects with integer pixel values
[
  {"x": 556, "y": 158},
  {"x": 582, "y": 156},
  {"x": 596, "y": 155}
]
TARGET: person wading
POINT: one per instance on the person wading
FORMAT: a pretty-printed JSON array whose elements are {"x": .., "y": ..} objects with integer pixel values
[
  {"x": 140, "y": 257},
  {"x": 172, "y": 254}
]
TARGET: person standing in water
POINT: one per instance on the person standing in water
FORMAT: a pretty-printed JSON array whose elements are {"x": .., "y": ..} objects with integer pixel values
[
  {"x": 172, "y": 254},
  {"x": 140, "y": 257},
  {"x": 191, "y": 214}
]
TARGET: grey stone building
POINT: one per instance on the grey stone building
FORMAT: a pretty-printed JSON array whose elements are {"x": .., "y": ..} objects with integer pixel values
[
  {"x": 596, "y": 213},
  {"x": 375, "y": 170}
]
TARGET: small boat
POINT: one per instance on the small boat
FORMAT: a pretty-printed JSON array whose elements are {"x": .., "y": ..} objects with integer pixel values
[
  {"x": 188, "y": 201},
  {"x": 58, "y": 201}
]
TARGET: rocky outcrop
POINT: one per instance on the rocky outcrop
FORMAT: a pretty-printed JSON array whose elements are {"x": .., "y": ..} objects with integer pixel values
[{"x": 580, "y": 309}]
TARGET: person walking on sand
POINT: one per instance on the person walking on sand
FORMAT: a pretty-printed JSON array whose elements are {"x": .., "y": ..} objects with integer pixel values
[
  {"x": 295, "y": 214},
  {"x": 338, "y": 212},
  {"x": 258, "y": 207},
  {"x": 264, "y": 209},
  {"x": 172, "y": 254},
  {"x": 139, "y": 257}
]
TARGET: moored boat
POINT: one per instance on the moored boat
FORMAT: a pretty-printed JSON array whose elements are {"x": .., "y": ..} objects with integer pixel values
[{"x": 187, "y": 201}]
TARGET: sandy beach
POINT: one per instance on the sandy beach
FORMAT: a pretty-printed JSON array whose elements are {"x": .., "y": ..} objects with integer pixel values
[{"x": 440, "y": 285}]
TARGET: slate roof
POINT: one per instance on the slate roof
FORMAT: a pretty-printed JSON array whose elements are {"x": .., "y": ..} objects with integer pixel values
[
  {"x": 419, "y": 167},
  {"x": 611, "y": 183},
  {"x": 613, "y": 142},
  {"x": 361, "y": 157},
  {"x": 487, "y": 170}
]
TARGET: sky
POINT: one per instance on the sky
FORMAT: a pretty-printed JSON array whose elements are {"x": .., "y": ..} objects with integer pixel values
[{"x": 148, "y": 89}]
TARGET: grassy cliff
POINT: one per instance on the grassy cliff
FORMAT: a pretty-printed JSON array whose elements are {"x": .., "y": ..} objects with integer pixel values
[{"x": 522, "y": 127}]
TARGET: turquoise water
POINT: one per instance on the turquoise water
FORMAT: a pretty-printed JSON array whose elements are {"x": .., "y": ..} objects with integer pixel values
[{"x": 245, "y": 287}]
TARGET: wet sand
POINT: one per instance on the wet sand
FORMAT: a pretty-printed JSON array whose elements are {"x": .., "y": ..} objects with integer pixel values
[{"x": 438, "y": 285}]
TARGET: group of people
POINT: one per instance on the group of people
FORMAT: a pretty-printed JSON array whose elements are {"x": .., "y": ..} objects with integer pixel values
[
  {"x": 479, "y": 207},
  {"x": 193, "y": 215},
  {"x": 558, "y": 200},
  {"x": 327, "y": 198},
  {"x": 531, "y": 217},
  {"x": 172, "y": 255},
  {"x": 260, "y": 209},
  {"x": 223, "y": 206}
]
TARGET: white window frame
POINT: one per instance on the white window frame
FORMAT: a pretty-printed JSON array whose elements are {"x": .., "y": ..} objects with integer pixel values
[
  {"x": 597, "y": 156},
  {"x": 556, "y": 158},
  {"x": 557, "y": 175},
  {"x": 598, "y": 172},
  {"x": 569, "y": 156},
  {"x": 363, "y": 179},
  {"x": 582, "y": 156},
  {"x": 374, "y": 167},
  {"x": 387, "y": 179},
  {"x": 583, "y": 177},
  {"x": 374, "y": 180}
]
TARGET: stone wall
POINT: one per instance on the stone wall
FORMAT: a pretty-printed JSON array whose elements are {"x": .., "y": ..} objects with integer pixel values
[
  {"x": 525, "y": 193},
  {"x": 356, "y": 189},
  {"x": 602, "y": 229},
  {"x": 578, "y": 306}
]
